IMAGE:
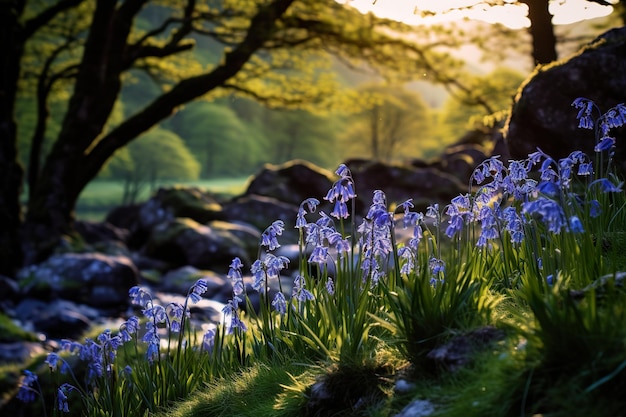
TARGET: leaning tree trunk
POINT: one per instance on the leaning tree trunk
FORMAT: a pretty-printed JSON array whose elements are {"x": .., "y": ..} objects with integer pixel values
[{"x": 11, "y": 173}]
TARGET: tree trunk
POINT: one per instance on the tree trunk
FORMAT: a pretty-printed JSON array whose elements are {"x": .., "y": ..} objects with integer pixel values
[
  {"x": 11, "y": 50},
  {"x": 81, "y": 150},
  {"x": 541, "y": 31}
]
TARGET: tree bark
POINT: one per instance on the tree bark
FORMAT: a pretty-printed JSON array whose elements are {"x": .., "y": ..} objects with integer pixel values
[
  {"x": 11, "y": 177},
  {"x": 541, "y": 31}
]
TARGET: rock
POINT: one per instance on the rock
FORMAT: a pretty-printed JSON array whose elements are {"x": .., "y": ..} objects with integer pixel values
[
  {"x": 260, "y": 212},
  {"x": 457, "y": 352},
  {"x": 461, "y": 160},
  {"x": 542, "y": 115},
  {"x": 184, "y": 242},
  {"x": 89, "y": 278},
  {"x": 399, "y": 183},
  {"x": 292, "y": 182},
  {"x": 56, "y": 319},
  {"x": 189, "y": 202},
  {"x": 180, "y": 280}
]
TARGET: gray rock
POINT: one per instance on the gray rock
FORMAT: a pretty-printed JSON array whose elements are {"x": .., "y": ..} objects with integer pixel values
[
  {"x": 417, "y": 408},
  {"x": 542, "y": 115},
  {"x": 183, "y": 241},
  {"x": 89, "y": 278}
]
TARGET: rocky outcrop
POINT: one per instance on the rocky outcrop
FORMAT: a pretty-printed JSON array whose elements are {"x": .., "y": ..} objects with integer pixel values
[{"x": 542, "y": 115}]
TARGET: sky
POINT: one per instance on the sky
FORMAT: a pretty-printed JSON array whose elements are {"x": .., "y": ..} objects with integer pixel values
[{"x": 511, "y": 15}]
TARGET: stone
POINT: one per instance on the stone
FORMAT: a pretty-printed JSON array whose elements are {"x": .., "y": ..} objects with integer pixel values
[
  {"x": 399, "y": 183},
  {"x": 89, "y": 278},
  {"x": 417, "y": 408},
  {"x": 542, "y": 115},
  {"x": 291, "y": 182},
  {"x": 458, "y": 352},
  {"x": 183, "y": 241}
]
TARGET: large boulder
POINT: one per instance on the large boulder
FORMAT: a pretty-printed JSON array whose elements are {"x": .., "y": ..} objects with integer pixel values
[
  {"x": 399, "y": 183},
  {"x": 90, "y": 278},
  {"x": 291, "y": 182},
  {"x": 542, "y": 115},
  {"x": 183, "y": 241}
]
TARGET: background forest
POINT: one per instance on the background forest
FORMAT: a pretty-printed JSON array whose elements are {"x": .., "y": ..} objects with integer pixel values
[{"x": 220, "y": 140}]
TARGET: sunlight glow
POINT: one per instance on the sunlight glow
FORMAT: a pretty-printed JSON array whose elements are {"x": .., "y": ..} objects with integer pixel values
[{"x": 428, "y": 12}]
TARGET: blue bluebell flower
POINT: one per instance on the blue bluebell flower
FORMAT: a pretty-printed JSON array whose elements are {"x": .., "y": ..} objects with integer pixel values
[
  {"x": 607, "y": 186},
  {"x": 129, "y": 328},
  {"x": 176, "y": 311},
  {"x": 269, "y": 235},
  {"x": 140, "y": 296},
  {"x": 549, "y": 212},
  {"x": 594, "y": 208},
  {"x": 437, "y": 266},
  {"x": 27, "y": 392},
  {"x": 604, "y": 144},
  {"x": 231, "y": 312},
  {"x": 575, "y": 225},
  {"x": 208, "y": 340},
  {"x": 299, "y": 291},
  {"x": 62, "y": 392},
  {"x": 330, "y": 286},
  {"x": 234, "y": 274},
  {"x": 279, "y": 303},
  {"x": 341, "y": 192},
  {"x": 585, "y": 106},
  {"x": 311, "y": 204},
  {"x": 407, "y": 255},
  {"x": 196, "y": 290}
]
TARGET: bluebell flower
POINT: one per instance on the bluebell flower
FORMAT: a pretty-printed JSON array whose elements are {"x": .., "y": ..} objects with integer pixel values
[
  {"x": 208, "y": 340},
  {"x": 437, "y": 266},
  {"x": 176, "y": 311},
  {"x": 330, "y": 286},
  {"x": 62, "y": 397},
  {"x": 311, "y": 204},
  {"x": 234, "y": 274},
  {"x": 607, "y": 186},
  {"x": 549, "y": 211},
  {"x": 605, "y": 144},
  {"x": 341, "y": 244},
  {"x": 575, "y": 225},
  {"x": 27, "y": 392},
  {"x": 154, "y": 348},
  {"x": 269, "y": 235},
  {"x": 585, "y": 168},
  {"x": 127, "y": 371},
  {"x": 140, "y": 296},
  {"x": 279, "y": 303},
  {"x": 408, "y": 256},
  {"x": 156, "y": 313},
  {"x": 319, "y": 255},
  {"x": 196, "y": 290},
  {"x": 594, "y": 208},
  {"x": 230, "y": 310},
  {"x": 585, "y": 106},
  {"x": 299, "y": 292},
  {"x": 341, "y": 192},
  {"x": 129, "y": 328}
]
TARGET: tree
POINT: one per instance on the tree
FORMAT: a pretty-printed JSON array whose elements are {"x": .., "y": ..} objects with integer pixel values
[
  {"x": 543, "y": 37},
  {"x": 497, "y": 88},
  {"x": 157, "y": 155},
  {"x": 393, "y": 121},
  {"x": 263, "y": 43}
]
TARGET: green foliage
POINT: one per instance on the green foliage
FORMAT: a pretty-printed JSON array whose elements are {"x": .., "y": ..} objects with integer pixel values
[
  {"x": 391, "y": 127},
  {"x": 462, "y": 113}
]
